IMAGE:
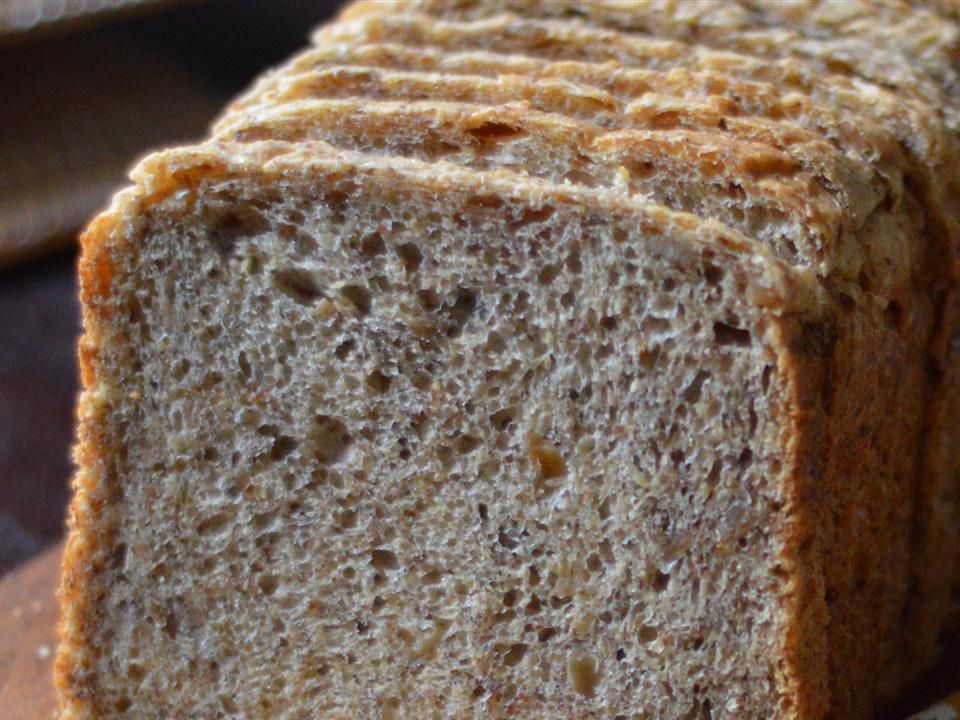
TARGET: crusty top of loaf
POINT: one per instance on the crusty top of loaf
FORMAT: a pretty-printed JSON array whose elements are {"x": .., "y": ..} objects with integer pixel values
[{"x": 776, "y": 285}]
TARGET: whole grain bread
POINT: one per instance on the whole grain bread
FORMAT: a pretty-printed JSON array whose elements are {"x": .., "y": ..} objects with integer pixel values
[{"x": 520, "y": 366}]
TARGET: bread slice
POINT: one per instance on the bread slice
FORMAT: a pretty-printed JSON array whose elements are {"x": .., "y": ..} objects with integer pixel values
[{"x": 397, "y": 539}]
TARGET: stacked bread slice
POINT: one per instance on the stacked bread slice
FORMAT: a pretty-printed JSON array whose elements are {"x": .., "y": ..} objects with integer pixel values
[{"x": 532, "y": 359}]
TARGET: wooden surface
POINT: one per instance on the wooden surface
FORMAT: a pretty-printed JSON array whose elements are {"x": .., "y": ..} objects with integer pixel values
[
  {"x": 28, "y": 617},
  {"x": 28, "y": 620}
]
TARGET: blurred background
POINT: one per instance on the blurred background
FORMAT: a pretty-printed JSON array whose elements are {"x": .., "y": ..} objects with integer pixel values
[{"x": 86, "y": 87}]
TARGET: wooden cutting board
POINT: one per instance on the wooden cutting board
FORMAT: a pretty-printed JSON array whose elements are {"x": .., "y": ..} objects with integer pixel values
[
  {"x": 28, "y": 623},
  {"x": 28, "y": 619}
]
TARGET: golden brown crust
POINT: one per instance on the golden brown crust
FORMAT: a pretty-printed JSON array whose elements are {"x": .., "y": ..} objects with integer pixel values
[{"x": 87, "y": 540}]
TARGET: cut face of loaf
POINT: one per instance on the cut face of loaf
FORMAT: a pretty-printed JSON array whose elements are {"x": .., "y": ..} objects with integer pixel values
[{"x": 523, "y": 444}]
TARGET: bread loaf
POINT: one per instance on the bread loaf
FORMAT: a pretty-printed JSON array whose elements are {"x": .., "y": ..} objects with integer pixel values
[{"x": 589, "y": 360}]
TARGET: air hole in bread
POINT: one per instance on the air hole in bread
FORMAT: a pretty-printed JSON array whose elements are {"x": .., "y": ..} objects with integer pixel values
[
  {"x": 214, "y": 524},
  {"x": 372, "y": 245},
  {"x": 118, "y": 557},
  {"x": 345, "y": 349},
  {"x": 460, "y": 312},
  {"x": 410, "y": 256},
  {"x": 378, "y": 382},
  {"x": 227, "y": 226},
  {"x": 544, "y": 634},
  {"x": 496, "y": 132},
  {"x": 486, "y": 202},
  {"x": 647, "y": 634},
  {"x": 659, "y": 580},
  {"x": 515, "y": 654},
  {"x": 329, "y": 439},
  {"x": 383, "y": 559},
  {"x": 725, "y": 334},
  {"x": 135, "y": 311},
  {"x": 428, "y": 299},
  {"x": 495, "y": 343},
  {"x": 282, "y": 446},
  {"x": 548, "y": 274},
  {"x": 506, "y": 541},
  {"x": 297, "y": 284},
  {"x": 712, "y": 274},
  {"x": 268, "y": 584},
  {"x": 136, "y": 672},
  {"x": 608, "y": 323},
  {"x": 380, "y": 283},
  {"x": 261, "y": 521},
  {"x": 547, "y": 459},
  {"x": 606, "y": 552},
  {"x": 123, "y": 704},
  {"x": 466, "y": 444},
  {"x": 244, "y": 365},
  {"x": 171, "y": 625},
  {"x": 893, "y": 314},
  {"x": 359, "y": 297},
  {"x": 691, "y": 393},
  {"x": 347, "y": 519},
  {"x": 180, "y": 369}
]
